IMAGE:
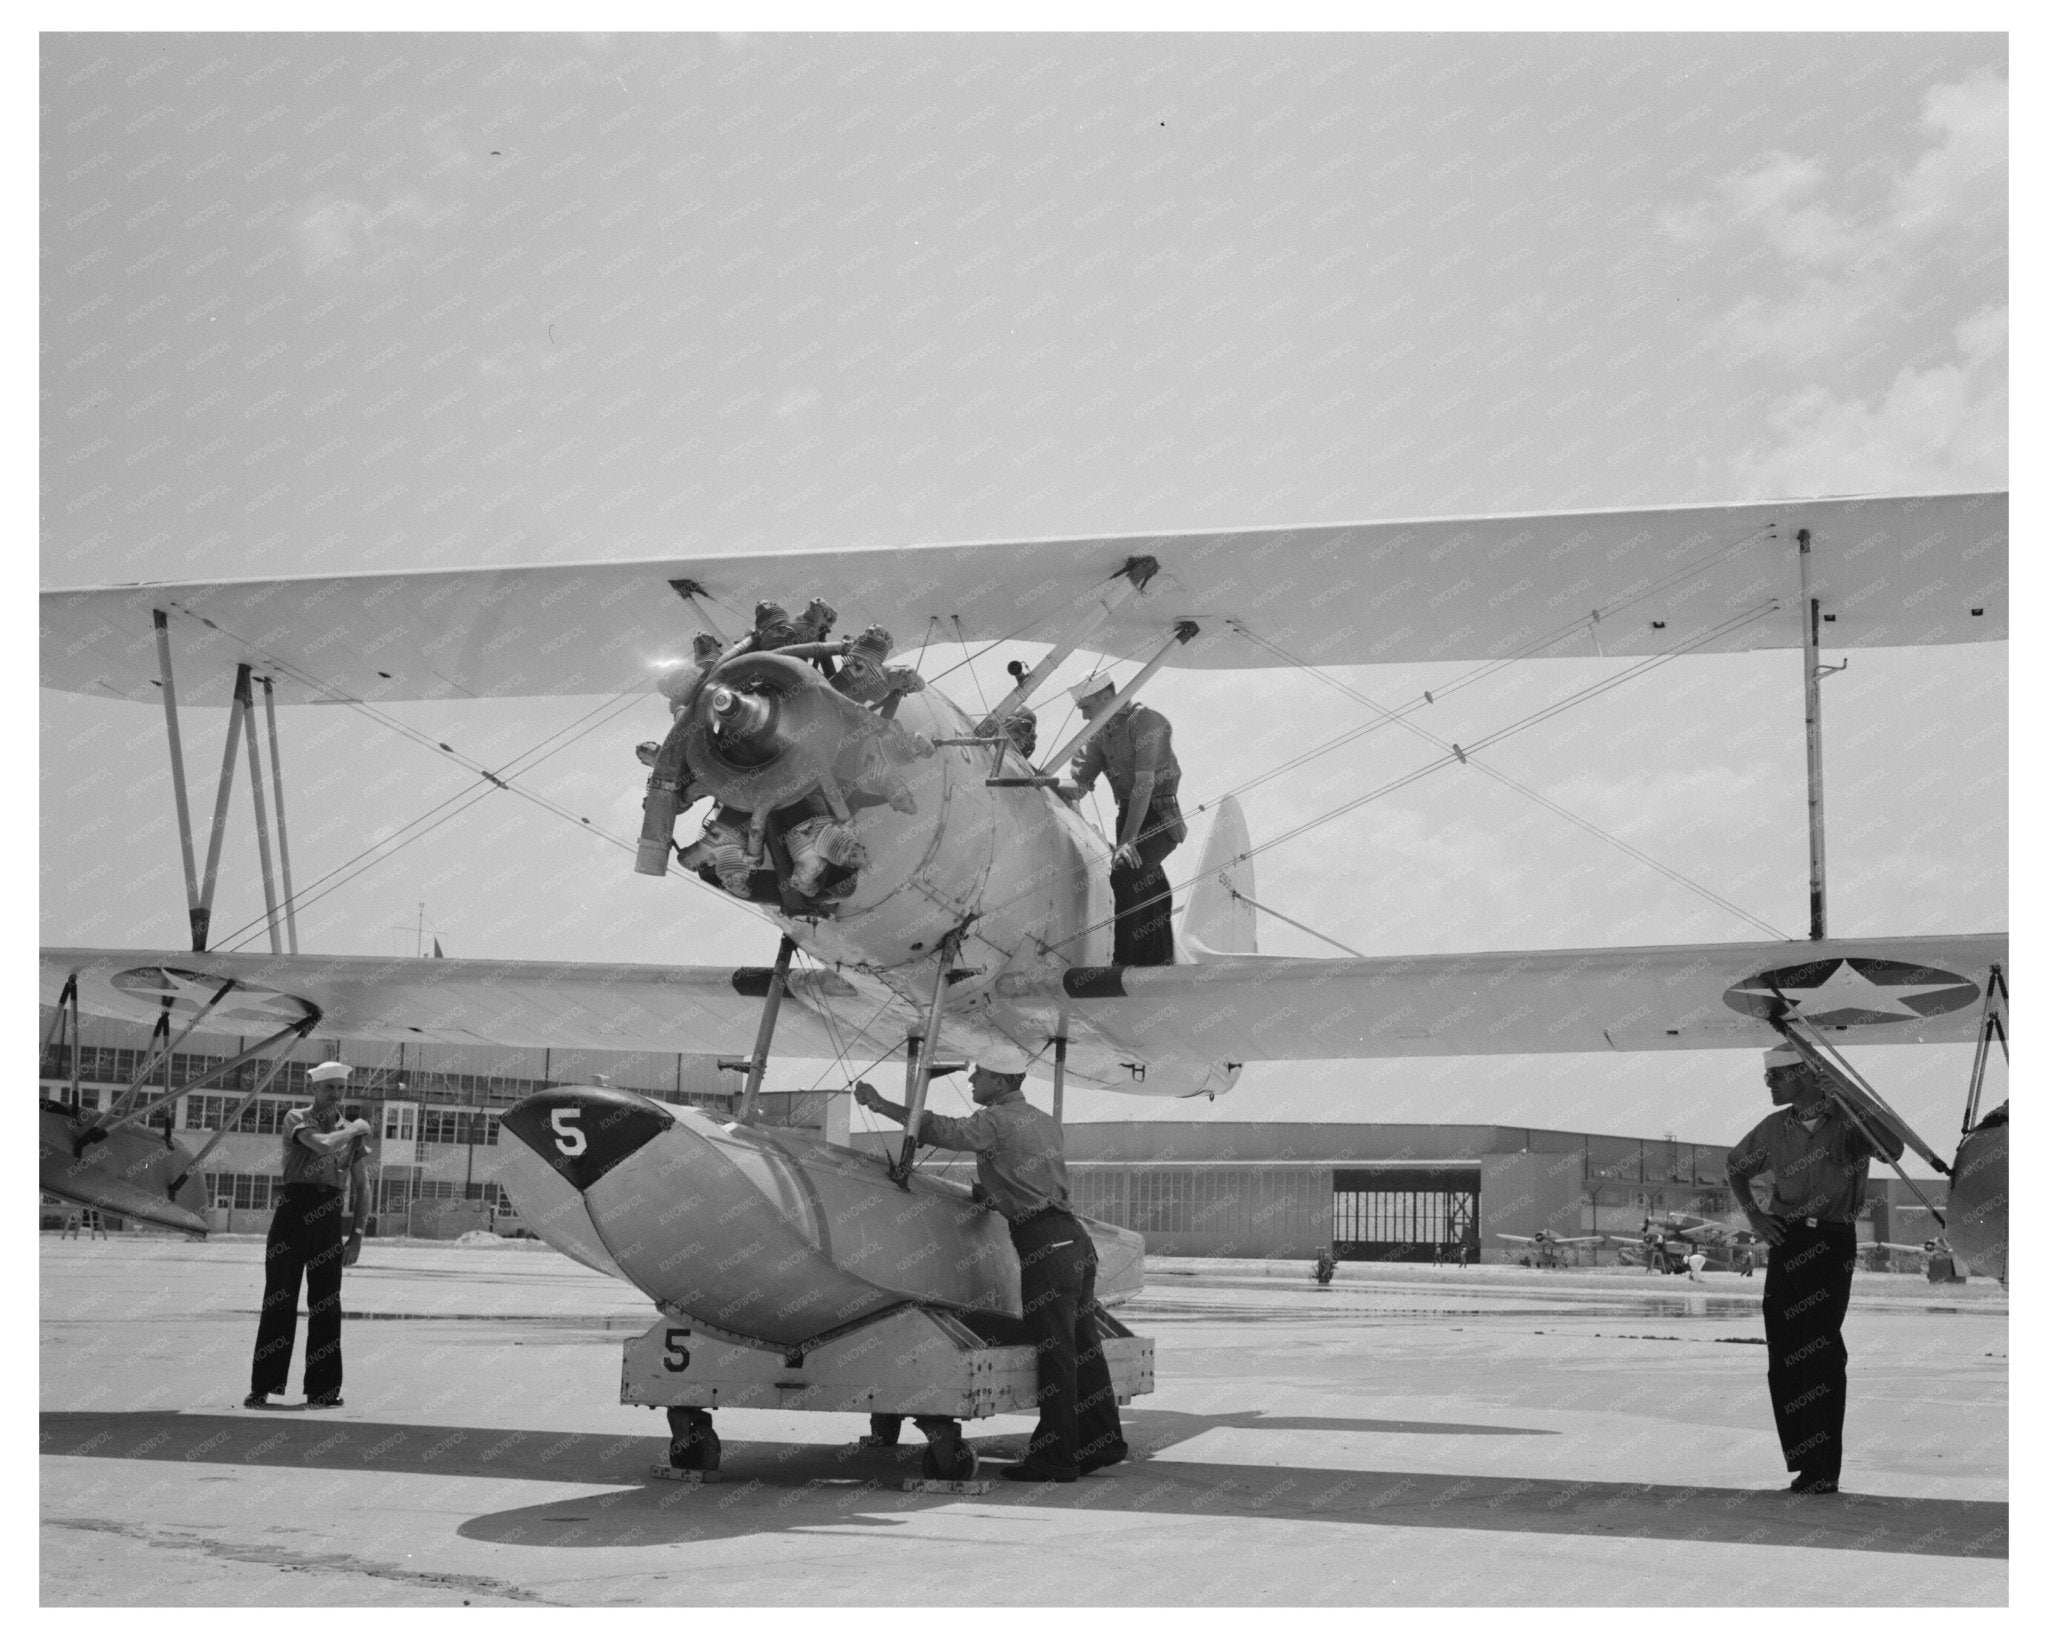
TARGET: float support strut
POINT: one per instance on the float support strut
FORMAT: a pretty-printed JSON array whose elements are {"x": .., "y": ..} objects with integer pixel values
[
  {"x": 928, "y": 1045},
  {"x": 764, "y": 1037}
]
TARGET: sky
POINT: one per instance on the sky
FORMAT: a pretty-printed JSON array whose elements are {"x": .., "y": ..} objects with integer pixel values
[{"x": 320, "y": 303}]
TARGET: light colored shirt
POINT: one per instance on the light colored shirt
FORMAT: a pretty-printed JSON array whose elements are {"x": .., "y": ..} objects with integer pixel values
[
  {"x": 1820, "y": 1174},
  {"x": 305, "y": 1165},
  {"x": 1019, "y": 1158}
]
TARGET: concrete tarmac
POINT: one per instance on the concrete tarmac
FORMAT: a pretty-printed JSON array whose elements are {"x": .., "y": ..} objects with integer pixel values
[{"x": 1407, "y": 1436}]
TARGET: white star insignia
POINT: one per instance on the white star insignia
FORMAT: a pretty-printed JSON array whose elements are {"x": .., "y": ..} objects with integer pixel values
[{"x": 1847, "y": 990}]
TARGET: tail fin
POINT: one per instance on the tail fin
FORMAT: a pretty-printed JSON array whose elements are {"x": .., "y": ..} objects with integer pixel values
[{"x": 1220, "y": 922}]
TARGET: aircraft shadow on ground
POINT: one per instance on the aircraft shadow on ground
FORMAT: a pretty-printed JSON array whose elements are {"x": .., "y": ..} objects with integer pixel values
[{"x": 770, "y": 1486}]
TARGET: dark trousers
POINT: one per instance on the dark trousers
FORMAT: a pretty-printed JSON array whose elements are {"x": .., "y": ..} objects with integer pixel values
[
  {"x": 1806, "y": 1295},
  {"x": 306, "y": 1239},
  {"x": 1144, "y": 902},
  {"x": 1076, "y": 1399}
]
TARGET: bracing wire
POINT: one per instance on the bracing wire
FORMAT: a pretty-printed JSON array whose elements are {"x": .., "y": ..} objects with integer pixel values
[
  {"x": 1458, "y": 756},
  {"x": 1514, "y": 784}
]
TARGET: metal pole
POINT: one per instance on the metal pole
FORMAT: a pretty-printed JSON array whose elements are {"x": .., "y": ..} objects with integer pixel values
[
  {"x": 284, "y": 851},
  {"x": 1816, "y": 822},
  {"x": 921, "y": 1082},
  {"x": 262, "y": 833},
  {"x": 1183, "y": 632},
  {"x": 757, "y": 1067},
  {"x": 163, "y": 661},
  {"x": 203, "y": 916},
  {"x": 1059, "y": 1080}
]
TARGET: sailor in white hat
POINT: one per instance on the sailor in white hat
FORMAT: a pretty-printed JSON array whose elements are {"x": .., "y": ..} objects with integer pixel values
[
  {"x": 1021, "y": 1171},
  {"x": 1134, "y": 751},
  {"x": 306, "y": 1243},
  {"x": 1818, "y": 1160}
]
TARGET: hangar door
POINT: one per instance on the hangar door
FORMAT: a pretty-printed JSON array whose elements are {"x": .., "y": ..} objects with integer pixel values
[{"x": 1404, "y": 1214}]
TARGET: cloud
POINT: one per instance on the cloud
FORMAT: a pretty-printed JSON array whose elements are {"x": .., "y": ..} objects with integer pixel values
[
  {"x": 1852, "y": 269},
  {"x": 1857, "y": 264},
  {"x": 1933, "y": 429},
  {"x": 346, "y": 235}
]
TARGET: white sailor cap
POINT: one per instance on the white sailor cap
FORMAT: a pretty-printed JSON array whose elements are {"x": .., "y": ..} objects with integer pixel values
[
  {"x": 1005, "y": 1058},
  {"x": 332, "y": 1070},
  {"x": 1089, "y": 687},
  {"x": 1782, "y": 1056}
]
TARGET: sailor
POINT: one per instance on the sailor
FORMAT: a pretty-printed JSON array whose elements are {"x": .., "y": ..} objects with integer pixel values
[
  {"x": 1819, "y": 1165},
  {"x": 1022, "y": 1173},
  {"x": 1135, "y": 749},
  {"x": 320, "y": 1150}
]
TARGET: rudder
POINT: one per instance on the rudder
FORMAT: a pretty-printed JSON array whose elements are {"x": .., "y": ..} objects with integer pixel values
[{"x": 1220, "y": 919}]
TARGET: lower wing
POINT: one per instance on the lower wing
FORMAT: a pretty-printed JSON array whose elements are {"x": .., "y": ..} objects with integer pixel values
[
  {"x": 1853, "y": 992},
  {"x": 563, "y": 1005}
]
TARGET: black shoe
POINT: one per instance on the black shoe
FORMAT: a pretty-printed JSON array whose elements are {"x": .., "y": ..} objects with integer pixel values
[
  {"x": 1813, "y": 1485},
  {"x": 256, "y": 1402},
  {"x": 1031, "y": 1471},
  {"x": 1109, "y": 1454},
  {"x": 323, "y": 1402}
]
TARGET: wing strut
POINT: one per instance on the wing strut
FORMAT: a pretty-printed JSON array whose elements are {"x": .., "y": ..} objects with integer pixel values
[
  {"x": 213, "y": 1072},
  {"x": 117, "y": 1111},
  {"x": 298, "y": 1033},
  {"x": 1816, "y": 809},
  {"x": 197, "y": 917},
  {"x": 1996, "y": 1000},
  {"x": 1184, "y": 631},
  {"x": 1135, "y": 574}
]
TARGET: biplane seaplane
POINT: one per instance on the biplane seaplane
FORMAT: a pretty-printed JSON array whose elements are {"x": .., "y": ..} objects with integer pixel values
[{"x": 946, "y": 896}]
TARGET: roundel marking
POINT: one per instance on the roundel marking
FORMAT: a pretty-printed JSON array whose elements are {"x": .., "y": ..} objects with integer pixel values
[
  {"x": 1837, "y": 991},
  {"x": 189, "y": 991}
]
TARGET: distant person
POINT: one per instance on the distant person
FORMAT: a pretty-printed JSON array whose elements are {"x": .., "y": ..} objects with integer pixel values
[
  {"x": 1819, "y": 1164},
  {"x": 1325, "y": 1267},
  {"x": 321, "y": 1151},
  {"x": 1695, "y": 1264},
  {"x": 1135, "y": 750},
  {"x": 1461, "y": 1254},
  {"x": 1021, "y": 1171}
]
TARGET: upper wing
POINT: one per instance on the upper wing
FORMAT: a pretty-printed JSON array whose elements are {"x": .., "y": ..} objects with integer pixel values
[
  {"x": 1888, "y": 571},
  {"x": 509, "y": 1004},
  {"x": 1919, "y": 989}
]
